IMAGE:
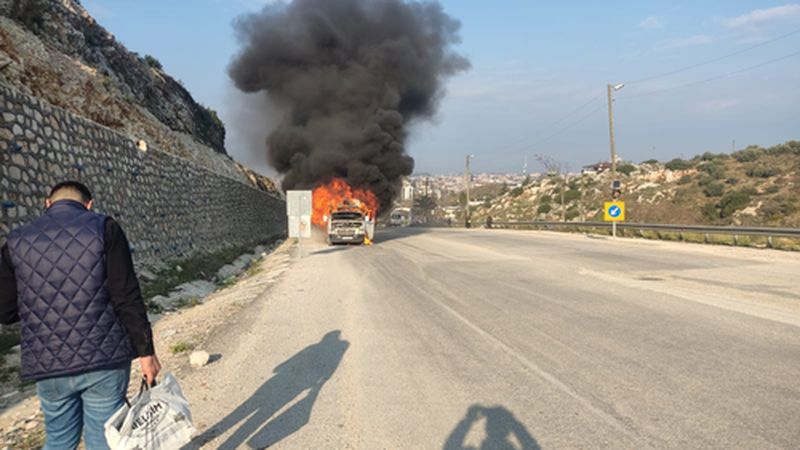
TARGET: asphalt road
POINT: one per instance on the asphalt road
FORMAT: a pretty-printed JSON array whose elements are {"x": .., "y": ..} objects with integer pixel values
[{"x": 456, "y": 339}]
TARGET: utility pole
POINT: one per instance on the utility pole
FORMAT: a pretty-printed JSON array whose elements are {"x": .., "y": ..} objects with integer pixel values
[
  {"x": 611, "y": 89},
  {"x": 563, "y": 207},
  {"x": 468, "y": 179}
]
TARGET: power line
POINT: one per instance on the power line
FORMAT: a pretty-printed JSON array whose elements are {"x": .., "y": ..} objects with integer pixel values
[
  {"x": 720, "y": 58},
  {"x": 714, "y": 78},
  {"x": 574, "y": 111},
  {"x": 532, "y": 146},
  {"x": 579, "y": 121},
  {"x": 514, "y": 146}
]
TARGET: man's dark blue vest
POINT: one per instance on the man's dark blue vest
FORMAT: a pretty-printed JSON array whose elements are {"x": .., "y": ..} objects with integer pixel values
[{"x": 68, "y": 322}]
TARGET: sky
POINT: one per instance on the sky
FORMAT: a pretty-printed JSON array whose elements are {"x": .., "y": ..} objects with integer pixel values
[{"x": 538, "y": 80}]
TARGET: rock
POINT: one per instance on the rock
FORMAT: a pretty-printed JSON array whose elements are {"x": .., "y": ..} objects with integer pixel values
[
  {"x": 10, "y": 396},
  {"x": 196, "y": 289},
  {"x": 31, "y": 425},
  {"x": 199, "y": 358},
  {"x": 168, "y": 333},
  {"x": 235, "y": 268},
  {"x": 153, "y": 318},
  {"x": 147, "y": 275},
  {"x": 13, "y": 359},
  {"x": 163, "y": 302}
]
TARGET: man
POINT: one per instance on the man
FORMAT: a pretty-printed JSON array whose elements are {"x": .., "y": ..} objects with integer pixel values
[{"x": 68, "y": 279}]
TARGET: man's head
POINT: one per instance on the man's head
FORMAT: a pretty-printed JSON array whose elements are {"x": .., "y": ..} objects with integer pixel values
[{"x": 70, "y": 190}]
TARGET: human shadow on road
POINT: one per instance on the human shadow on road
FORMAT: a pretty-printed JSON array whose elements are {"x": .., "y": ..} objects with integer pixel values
[
  {"x": 297, "y": 380},
  {"x": 503, "y": 431}
]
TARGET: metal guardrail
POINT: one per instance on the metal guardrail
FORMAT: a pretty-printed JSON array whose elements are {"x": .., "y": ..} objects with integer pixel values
[{"x": 768, "y": 232}]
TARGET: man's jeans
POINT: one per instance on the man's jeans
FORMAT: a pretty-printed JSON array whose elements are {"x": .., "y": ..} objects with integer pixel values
[{"x": 81, "y": 402}]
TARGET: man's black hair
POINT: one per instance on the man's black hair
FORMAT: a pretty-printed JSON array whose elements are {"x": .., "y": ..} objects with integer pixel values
[{"x": 85, "y": 193}]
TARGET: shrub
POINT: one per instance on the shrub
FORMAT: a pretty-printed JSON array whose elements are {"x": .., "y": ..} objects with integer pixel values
[
  {"x": 732, "y": 202},
  {"x": 708, "y": 156},
  {"x": 705, "y": 180},
  {"x": 31, "y": 12},
  {"x": 650, "y": 161},
  {"x": 762, "y": 171},
  {"x": 678, "y": 164},
  {"x": 574, "y": 184},
  {"x": 749, "y": 154},
  {"x": 716, "y": 170},
  {"x": 714, "y": 189},
  {"x": 572, "y": 213},
  {"x": 181, "y": 347},
  {"x": 544, "y": 208},
  {"x": 545, "y": 199},
  {"x": 779, "y": 207},
  {"x": 686, "y": 179},
  {"x": 626, "y": 169},
  {"x": 154, "y": 63},
  {"x": 517, "y": 191},
  {"x": 189, "y": 302},
  {"x": 571, "y": 195},
  {"x": 732, "y": 181},
  {"x": 787, "y": 148},
  {"x": 772, "y": 189},
  {"x": 710, "y": 212}
]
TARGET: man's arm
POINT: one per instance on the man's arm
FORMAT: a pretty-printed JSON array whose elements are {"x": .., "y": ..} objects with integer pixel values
[
  {"x": 8, "y": 289},
  {"x": 123, "y": 287}
]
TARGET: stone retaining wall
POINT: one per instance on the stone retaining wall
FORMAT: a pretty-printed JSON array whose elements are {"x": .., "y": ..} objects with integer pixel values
[{"x": 169, "y": 207}]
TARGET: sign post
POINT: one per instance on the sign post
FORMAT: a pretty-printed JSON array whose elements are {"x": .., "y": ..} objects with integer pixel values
[
  {"x": 298, "y": 211},
  {"x": 614, "y": 212}
]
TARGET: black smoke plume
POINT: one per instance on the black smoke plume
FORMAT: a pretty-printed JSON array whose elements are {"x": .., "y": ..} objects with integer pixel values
[{"x": 351, "y": 76}]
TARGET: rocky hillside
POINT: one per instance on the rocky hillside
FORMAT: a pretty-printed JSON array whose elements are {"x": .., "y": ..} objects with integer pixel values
[
  {"x": 754, "y": 186},
  {"x": 54, "y": 50}
]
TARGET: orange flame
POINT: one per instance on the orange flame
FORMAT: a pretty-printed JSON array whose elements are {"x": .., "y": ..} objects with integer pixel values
[{"x": 328, "y": 197}]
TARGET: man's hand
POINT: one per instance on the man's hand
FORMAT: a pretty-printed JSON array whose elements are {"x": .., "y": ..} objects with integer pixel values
[{"x": 150, "y": 368}]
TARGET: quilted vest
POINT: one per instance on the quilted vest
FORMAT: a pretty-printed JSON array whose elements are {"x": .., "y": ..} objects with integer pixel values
[{"x": 68, "y": 325}]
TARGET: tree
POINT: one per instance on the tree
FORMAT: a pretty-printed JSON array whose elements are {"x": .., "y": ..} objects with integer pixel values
[
  {"x": 732, "y": 202},
  {"x": 762, "y": 171},
  {"x": 425, "y": 205},
  {"x": 749, "y": 154},
  {"x": 678, "y": 164},
  {"x": 153, "y": 62},
  {"x": 714, "y": 189}
]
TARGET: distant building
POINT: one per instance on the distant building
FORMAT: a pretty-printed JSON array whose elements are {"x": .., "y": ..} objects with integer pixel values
[
  {"x": 596, "y": 168},
  {"x": 407, "y": 193}
]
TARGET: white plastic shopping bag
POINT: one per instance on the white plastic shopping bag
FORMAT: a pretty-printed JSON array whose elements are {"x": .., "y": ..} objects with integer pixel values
[{"x": 158, "y": 418}]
